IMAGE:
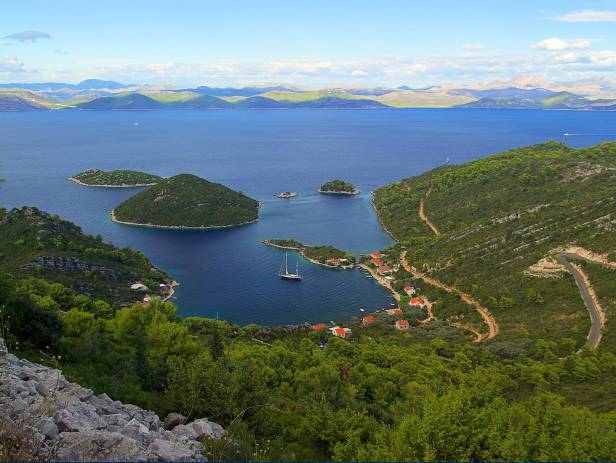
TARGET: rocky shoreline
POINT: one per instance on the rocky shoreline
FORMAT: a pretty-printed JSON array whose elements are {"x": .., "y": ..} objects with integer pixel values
[
  {"x": 178, "y": 227},
  {"x": 46, "y": 417},
  {"x": 333, "y": 192},
  {"x": 309, "y": 259},
  {"x": 136, "y": 185}
]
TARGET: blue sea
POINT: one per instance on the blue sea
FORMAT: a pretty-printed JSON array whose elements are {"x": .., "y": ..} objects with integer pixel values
[{"x": 229, "y": 273}]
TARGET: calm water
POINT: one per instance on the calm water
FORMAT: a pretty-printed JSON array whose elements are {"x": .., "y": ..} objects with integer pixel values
[{"x": 229, "y": 273}]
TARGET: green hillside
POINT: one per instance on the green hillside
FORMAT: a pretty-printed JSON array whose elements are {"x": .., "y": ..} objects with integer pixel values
[
  {"x": 115, "y": 178},
  {"x": 36, "y": 244},
  {"x": 23, "y": 100},
  {"x": 122, "y": 101},
  {"x": 498, "y": 216},
  {"x": 187, "y": 201}
]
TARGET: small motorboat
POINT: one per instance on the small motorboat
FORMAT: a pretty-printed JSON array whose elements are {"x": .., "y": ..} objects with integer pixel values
[{"x": 287, "y": 194}]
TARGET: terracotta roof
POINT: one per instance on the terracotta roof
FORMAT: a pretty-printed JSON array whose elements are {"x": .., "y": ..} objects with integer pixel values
[
  {"x": 319, "y": 326},
  {"x": 402, "y": 323},
  {"x": 368, "y": 318},
  {"x": 416, "y": 301},
  {"x": 376, "y": 261},
  {"x": 394, "y": 311}
]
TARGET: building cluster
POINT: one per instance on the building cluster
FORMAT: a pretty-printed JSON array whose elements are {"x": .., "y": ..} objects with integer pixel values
[
  {"x": 336, "y": 330},
  {"x": 381, "y": 267}
]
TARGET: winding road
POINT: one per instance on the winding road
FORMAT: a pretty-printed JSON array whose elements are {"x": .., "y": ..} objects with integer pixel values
[
  {"x": 487, "y": 316},
  {"x": 586, "y": 291}
]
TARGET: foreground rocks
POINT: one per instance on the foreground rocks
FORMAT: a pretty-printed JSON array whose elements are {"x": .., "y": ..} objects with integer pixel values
[{"x": 44, "y": 416}]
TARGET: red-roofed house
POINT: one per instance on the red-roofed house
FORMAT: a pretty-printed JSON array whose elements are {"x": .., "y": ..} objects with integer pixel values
[
  {"x": 376, "y": 255},
  {"x": 333, "y": 261},
  {"x": 393, "y": 311},
  {"x": 402, "y": 325},
  {"x": 417, "y": 302},
  {"x": 384, "y": 270},
  {"x": 368, "y": 320},
  {"x": 319, "y": 326},
  {"x": 409, "y": 290},
  {"x": 341, "y": 332},
  {"x": 377, "y": 262}
]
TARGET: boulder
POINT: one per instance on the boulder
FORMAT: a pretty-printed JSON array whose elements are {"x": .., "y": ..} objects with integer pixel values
[
  {"x": 165, "y": 450},
  {"x": 63, "y": 421},
  {"x": 98, "y": 445},
  {"x": 172, "y": 420}
]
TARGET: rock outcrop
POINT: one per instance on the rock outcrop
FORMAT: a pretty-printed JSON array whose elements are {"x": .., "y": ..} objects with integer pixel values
[{"x": 44, "y": 416}]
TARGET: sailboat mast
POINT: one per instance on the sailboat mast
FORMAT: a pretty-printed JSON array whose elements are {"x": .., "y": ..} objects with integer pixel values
[{"x": 286, "y": 262}]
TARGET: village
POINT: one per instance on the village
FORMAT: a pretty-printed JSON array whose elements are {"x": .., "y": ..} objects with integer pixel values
[
  {"x": 163, "y": 293},
  {"x": 409, "y": 309}
]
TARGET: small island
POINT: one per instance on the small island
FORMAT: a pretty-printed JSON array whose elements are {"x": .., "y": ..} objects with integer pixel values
[
  {"x": 338, "y": 187},
  {"x": 115, "y": 178},
  {"x": 187, "y": 202},
  {"x": 327, "y": 256}
]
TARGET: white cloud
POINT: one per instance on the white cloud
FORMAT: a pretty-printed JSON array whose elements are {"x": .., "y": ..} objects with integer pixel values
[
  {"x": 473, "y": 46},
  {"x": 555, "y": 44},
  {"x": 11, "y": 66},
  {"x": 587, "y": 16}
]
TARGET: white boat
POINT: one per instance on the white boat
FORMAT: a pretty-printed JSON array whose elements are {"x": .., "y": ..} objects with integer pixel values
[
  {"x": 362, "y": 310},
  {"x": 287, "y": 194},
  {"x": 284, "y": 270}
]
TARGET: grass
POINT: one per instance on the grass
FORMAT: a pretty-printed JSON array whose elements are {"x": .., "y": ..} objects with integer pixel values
[
  {"x": 298, "y": 97},
  {"x": 172, "y": 97}
]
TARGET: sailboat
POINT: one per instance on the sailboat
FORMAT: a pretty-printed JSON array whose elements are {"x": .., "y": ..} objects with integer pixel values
[{"x": 284, "y": 270}]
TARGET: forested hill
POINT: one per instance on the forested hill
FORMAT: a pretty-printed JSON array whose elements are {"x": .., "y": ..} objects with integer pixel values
[
  {"x": 187, "y": 201},
  {"x": 36, "y": 244},
  {"x": 496, "y": 217}
]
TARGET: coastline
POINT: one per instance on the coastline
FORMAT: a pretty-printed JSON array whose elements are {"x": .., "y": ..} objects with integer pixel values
[
  {"x": 73, "y": 179},
  {"x": 178, "y": 227},
  {"x": 309, "y": 259},
  {"x": 381, "y": 281},
  {"x": 331, "y": 192},
  {"x": 379, "y": 218}
]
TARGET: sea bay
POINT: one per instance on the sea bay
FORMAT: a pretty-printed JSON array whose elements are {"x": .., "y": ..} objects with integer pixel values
[{"x": 229, "y": 273}]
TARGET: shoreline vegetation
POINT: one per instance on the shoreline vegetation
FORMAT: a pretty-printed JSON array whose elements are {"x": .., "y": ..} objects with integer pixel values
[
  {"x": 115, "y": 178},
  {"x": 325, "y": 256},
  {"x": 188, "y": 202},
  {"x": 338, "y": 187},
  {"x": 176, "y": 227}
]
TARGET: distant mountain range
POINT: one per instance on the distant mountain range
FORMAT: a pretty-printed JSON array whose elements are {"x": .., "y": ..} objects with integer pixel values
[{"x": 95, "y": 94}]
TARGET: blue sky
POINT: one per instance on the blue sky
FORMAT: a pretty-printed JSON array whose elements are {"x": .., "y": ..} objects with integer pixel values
[{"x": 311, "y": 43}]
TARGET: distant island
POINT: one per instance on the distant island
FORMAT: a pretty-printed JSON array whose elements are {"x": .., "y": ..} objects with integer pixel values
[
  {"x": 115, "y": 178},
  {"x": 187, "y": 202},
  {"x": 523, "y": 92},
  {"x": 338, "y": 187},
  {"x": 327, "y": 256}
]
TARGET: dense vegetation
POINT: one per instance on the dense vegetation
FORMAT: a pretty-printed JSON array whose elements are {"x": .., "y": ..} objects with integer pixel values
[
  {"x": 338, "y": 186},
  {"x": 188, "y": 201},
  {"x": 498, "y": 216},
  {"x": 283, "y": 397},
  {"x": 320, "y": 254},
  {"x": 96, "y": 177},
  {"x": 289, "y": 393},
  {"x": 33, "y": 243}
]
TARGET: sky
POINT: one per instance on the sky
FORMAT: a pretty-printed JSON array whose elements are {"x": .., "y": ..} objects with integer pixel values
[{"x": 313, "y": 43}]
